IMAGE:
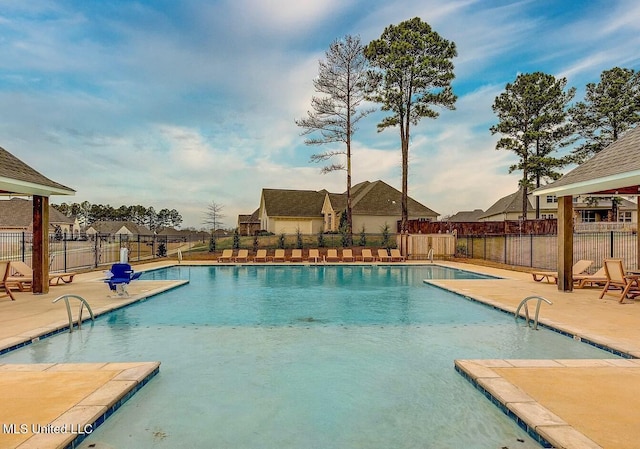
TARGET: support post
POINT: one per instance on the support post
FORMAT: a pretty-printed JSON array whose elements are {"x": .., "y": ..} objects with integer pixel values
[
  {"x": 40, "y": 261},
  {"x": 565, "y": 243}
]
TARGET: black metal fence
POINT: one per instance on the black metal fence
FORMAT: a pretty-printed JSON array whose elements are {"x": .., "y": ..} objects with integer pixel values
[
  {"x": 95, "y": 250},
  {"x": 541, "y": 251}
]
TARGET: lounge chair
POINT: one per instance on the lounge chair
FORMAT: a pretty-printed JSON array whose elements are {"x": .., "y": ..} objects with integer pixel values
[
  {"x": 618, "y": 279},
  {"x": 279, "y": 256},
  {"x": 18, "y": 268},
  {"x": 226, "y": 256},
  {"x": 383, "y": 255},
  {"x": 579, "y": 268},
  {"x": 332, "y": 255},
  {"x": 296, "y": 255},
  {"x": 261, "y": 256},
  {"x": 243, "y": 256},
  {"x": 314, "y": 255},
  {"x": 121, "y": 274},
  {"x": 4, "y": 273},
  {"x": 367, "y": 256},
  {"x": 591, "y": 280},
  {"x": 396, "y": 256},
  {"x": 347, "y": 255}
]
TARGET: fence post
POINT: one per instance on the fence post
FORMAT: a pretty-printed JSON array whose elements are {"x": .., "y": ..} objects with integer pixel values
[
  {"x": 95, "y": 250},
  {"x": 611, "y": 244},
  {"x": 65, "y": 254},
  {"x": 24, "y": 246},
  {"x": 505, "y": 248},
  {"x": 530, "y": 250}
]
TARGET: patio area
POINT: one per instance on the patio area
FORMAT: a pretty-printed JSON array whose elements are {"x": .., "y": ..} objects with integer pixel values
[{"x": 573, "y": 404}]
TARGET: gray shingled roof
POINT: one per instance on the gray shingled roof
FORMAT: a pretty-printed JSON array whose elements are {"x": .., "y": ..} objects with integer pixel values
[
  {"x": 111, "y": 227},
  {"x": 293, "y": 203},
  {"x": 616, "y": 166},
  {"x": 509, "y": 203},
  {"x": 18, "y": 178},
  {"x": 467, "y": 216},
  {"x": 18, "y": 213},
  {"x": 378, "y": 198}
]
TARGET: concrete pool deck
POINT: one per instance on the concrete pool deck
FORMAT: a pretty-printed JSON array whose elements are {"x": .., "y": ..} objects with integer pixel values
[{"x": 569, "y": 403}]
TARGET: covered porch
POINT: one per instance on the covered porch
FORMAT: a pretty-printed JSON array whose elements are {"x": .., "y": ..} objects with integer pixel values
[
  {"x": 615, "y": 171},
  {"x": 19, "y": 179}
]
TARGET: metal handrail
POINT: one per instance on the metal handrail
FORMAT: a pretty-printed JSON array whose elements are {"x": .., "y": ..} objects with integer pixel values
[
  {"x": 83, "y": 302},
  {"x": 525, "y": 302}
]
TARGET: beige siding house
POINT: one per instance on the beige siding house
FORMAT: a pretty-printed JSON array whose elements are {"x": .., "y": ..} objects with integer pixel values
[
  {"x": 374, "y": 206},
  {"x": 16, "y": 215},
  {"x": 117, "y": 228},
  {"x": 587, "y": 209}
]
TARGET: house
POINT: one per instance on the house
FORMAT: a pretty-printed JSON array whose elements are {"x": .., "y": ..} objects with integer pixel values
[
  {"x": 587, "y": 209},
  {"x": 289, "y": 211},
  {"x": 16, "y": 215},
  {"x": 373, "y": 204},
  {"x": 119, "y": 228},
  {"x": 249, "y": 224},
  {"x": 466, "y": 216}
]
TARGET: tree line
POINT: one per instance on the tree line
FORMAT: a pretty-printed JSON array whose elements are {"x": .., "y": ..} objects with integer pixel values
[
  {"x": 408, "y": 71},
  {"x": 88, "y": 213}
]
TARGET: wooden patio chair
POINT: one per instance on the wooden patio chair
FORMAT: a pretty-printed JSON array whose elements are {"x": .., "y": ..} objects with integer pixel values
[
  {"x": 18, "y": 269},
  {"x": 579, "y": 268},
  {"x": 618, "y": 279},
  {"x": 4, "y": 272},
  {"x": 596, "y": 279}
]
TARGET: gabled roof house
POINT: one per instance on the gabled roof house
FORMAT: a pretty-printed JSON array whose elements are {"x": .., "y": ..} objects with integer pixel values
[
  {"x": 374, "y": 205},
  {"x": 16, "y": 215},
  {"x": 117, "y": 228}
]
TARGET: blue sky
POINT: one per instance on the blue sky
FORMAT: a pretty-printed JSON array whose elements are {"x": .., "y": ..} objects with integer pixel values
[{"x": 175, "y": 104}]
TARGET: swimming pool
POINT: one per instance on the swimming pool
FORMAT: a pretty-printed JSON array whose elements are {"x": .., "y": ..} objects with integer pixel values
[{"x": 308, "y": 356}]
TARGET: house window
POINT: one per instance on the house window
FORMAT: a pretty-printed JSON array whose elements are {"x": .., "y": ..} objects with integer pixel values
[
  {"x": 587, "y": 216},
  {"x": 624, "y": 217},
  {"x": 545, "y": 216},
  {"x": 552, "y": 199}
]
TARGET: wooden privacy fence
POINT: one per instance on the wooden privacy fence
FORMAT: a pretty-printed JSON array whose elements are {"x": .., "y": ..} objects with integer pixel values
[{"x": 420, "y": 245}]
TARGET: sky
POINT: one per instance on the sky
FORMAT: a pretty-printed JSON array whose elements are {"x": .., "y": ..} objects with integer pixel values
[{"x": 178, "y": 104}]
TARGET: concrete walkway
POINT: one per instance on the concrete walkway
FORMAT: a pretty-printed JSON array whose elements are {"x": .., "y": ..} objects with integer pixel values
[{"x": 572, "y": 404}]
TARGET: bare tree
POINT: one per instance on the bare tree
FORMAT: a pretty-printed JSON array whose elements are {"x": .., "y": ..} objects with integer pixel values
[
  {"x": 213, "y": 216},
  {"x": 341, "y": 76}
]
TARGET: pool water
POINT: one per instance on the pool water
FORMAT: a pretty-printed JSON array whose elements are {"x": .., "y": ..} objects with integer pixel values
[{"x": 306, "y": 357}]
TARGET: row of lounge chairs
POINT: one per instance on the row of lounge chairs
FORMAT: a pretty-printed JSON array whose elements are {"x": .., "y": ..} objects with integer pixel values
[
  {"x": 16, "y": 275},
  {"x": 313, "y": 255},
  {"x": 612, "y": 277}
]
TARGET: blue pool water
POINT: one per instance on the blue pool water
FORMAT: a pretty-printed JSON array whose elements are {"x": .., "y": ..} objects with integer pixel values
[{"x": 306, "y": 357}]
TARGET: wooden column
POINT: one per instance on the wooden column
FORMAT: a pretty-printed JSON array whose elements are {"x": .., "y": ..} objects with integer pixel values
[
  {"x": 40, "y": 262},
  {"x": 565, "y": 243}
]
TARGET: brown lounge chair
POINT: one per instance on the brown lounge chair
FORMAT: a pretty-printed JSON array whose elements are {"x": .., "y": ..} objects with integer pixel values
[
  {"x": 243, "y": 255},
  {"x": 226, "y": 256},
  {"x": 578, "y": 268},
  {"x": 332, "y": 255},
  {"x": 314, "y": 255},
  {"x": 596, "y": 279},
  {"x": 383, "y": 255},
  {"x": 347, "y": 255},
  {"x": 366, "y": 255},
  {"x": 4, "y": 273},
  {"x": 296, "y": 255},
  {"x": 19, "y": 269},
  {"x": 618, "y": 279},
  {"x": 261, "y": 256},
  {"x": 279, "y": 256},
  {"x": 396, "y": 256}
]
